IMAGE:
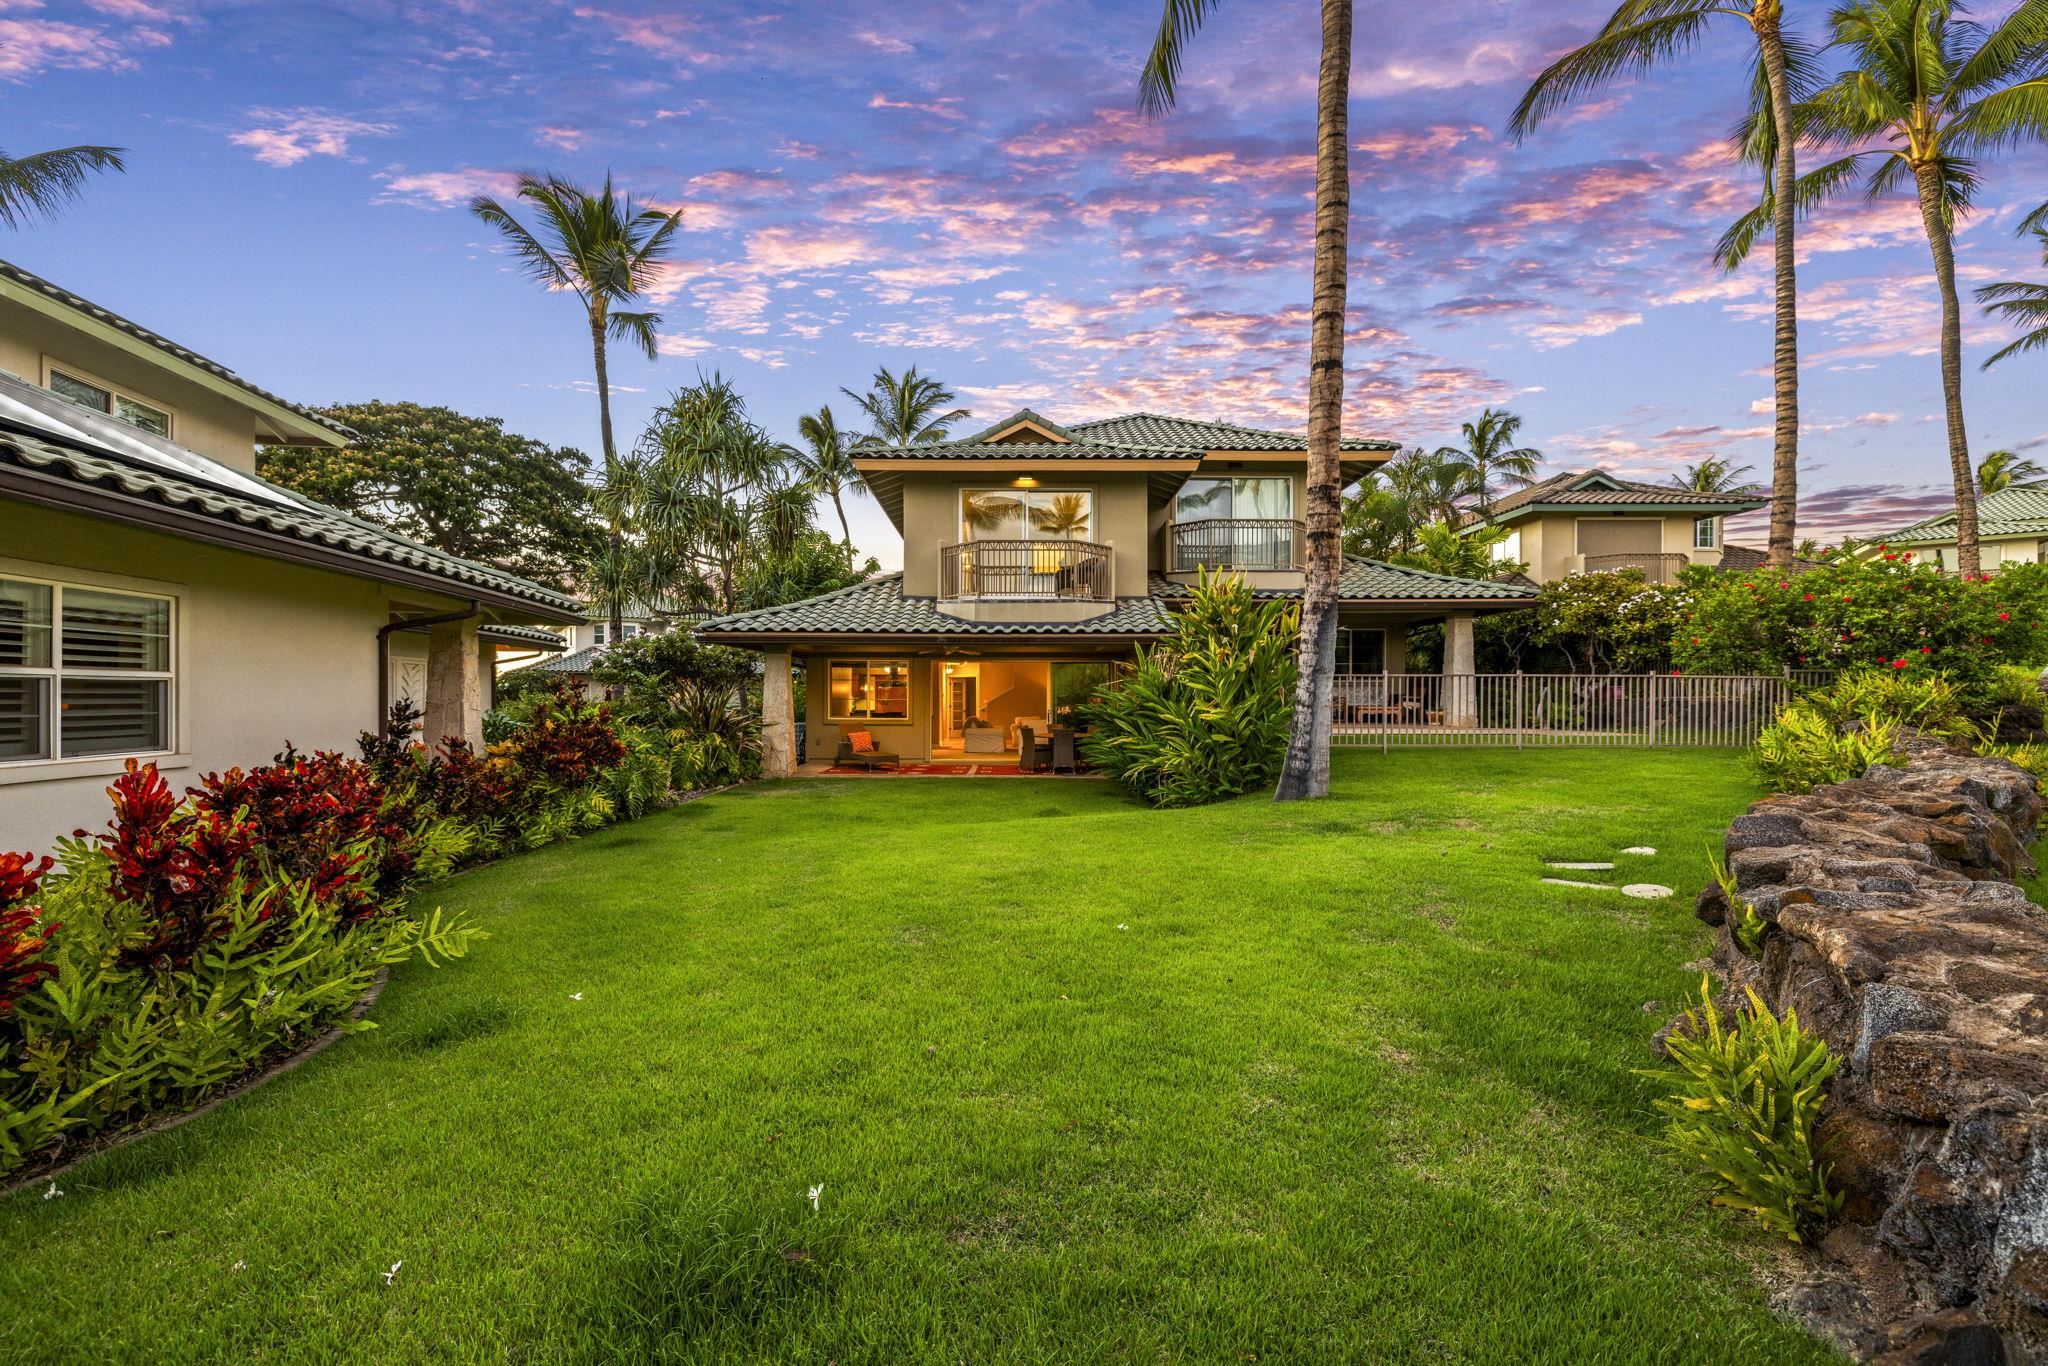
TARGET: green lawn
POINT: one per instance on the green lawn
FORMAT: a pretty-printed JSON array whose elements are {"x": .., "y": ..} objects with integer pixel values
[{"x": 1338, "y": 1081}]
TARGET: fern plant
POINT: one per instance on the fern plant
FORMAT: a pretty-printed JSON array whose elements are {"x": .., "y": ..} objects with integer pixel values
[
  {"x": 1747, "y": 1099},
  {"x": 1745, "y": 923}
]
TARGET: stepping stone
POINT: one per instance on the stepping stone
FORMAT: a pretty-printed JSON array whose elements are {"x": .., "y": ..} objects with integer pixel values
[
  {"x": 1641, "y": 849},
  {"x": 1583, "y": 867},
  {"x": 1567, "y": 882},
  {"x": 1648, "y": 891}
]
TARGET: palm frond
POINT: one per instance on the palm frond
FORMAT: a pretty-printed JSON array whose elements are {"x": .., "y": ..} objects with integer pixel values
[
  {"x": 1625, "y": 46},
  {"x": 539, "y": 263},
  {"x": 2003, "y": 119},
  {"x": 637, "y": 328},
  {"x": 1159, "y": 81},
  {"x": 2014, "y": 46},
  {"x": 42, "y": 183},
  {"x": 1809, "y": 191}
]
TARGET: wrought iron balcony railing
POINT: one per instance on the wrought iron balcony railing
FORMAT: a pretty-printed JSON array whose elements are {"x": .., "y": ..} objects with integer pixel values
[
  {"x": 1237, "y": 543},
  {"x": 1056, "y": 571}
]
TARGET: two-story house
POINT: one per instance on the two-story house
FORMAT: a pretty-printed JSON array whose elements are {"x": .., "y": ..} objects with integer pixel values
[
  {"x": 1588, "y": 521},
  {"x": 1037, "y": 556},
  {"x": 2012, "y": 528},
  {"x": 160, "y": 600}
]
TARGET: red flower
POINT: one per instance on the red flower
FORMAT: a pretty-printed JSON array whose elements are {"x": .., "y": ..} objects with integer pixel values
[
  {"x": 1809, "y": 597},
  {"x": 1898, "y": 664},
  {"x": 1926, "y": 649},
  {"x": 1784, "y": 585},
  {"x": 2005, "y": 616},
  {"x": 1675, "y": 672}
]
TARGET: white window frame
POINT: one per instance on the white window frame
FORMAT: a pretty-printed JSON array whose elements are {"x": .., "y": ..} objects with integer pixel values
[
  {"x": 1712, "y": 526},
  {"x": 55, "y": 673},
  {"x": 52, "y": 366},
  {"x": 869, "y": 662}
]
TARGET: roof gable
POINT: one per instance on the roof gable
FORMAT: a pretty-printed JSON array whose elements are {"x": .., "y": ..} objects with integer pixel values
[
  {"x": 1596, "y": 488},
  {"x": 293, "y": 421},
  {"x": 2008, "y": 512},
  {"x": 1023, "y": 425}
]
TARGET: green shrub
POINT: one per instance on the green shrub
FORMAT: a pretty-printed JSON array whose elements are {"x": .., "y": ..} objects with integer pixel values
[
  {"x": 1924, "y": 702},
  {"x": 1885, "y": 611},
  {"x": 1804, "y": 747},
  {"x": 1205, "y": 714},
  {"x": 1745, "y": 924},
  {"x": 1746, "y": 1100},
  {"x": 2016, "y": 685}
]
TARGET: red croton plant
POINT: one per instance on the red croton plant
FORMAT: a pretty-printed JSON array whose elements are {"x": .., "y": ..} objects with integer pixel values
[{"x": 23, "y": 935}]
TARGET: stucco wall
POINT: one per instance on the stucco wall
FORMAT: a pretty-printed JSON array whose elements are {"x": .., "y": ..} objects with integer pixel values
[
  {"x": 1550, "y": 543},
  {"x": 264, "y": 652},
  {"x": 931, "y": 518},
  {"x": 908, "y": 739},
  {"x": 200, "y": 419}
]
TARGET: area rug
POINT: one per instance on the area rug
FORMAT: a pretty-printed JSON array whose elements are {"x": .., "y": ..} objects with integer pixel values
[{"x": 936, "y": 771}]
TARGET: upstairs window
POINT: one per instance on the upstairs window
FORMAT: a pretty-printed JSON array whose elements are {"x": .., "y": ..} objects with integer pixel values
[
  {"x": 83, "y": 672},
  {"x": 1703, "y": 533},
  {"x": 1014, "y": 514},
  {"x": 1262, "y": 497},
  {"x": 101, "y": 399}
]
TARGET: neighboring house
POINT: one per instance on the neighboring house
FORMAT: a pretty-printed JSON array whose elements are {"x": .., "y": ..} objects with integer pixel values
[
  {"x": 1037, "y": 556},
  {"x": 1589, "y": 520},
  {"x": 1741, "y": 559},
  {"x": 159, "y": 600},
  {"x": 2012, "y": 528},
  {"x": 585, "y": 643}
]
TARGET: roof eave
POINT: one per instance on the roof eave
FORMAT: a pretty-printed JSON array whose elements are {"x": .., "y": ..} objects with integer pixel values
[{"x": 96, "y": 500}]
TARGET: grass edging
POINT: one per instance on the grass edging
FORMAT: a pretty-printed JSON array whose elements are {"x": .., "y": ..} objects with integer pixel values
[{"x": 160, "y": 1123}]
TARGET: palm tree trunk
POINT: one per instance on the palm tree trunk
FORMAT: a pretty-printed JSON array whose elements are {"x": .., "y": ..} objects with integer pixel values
[
  {"x": 611, "y": 455},
  {"x": 1785, "y": 340},
  {"x": 840, "y": 508},
  {"x": 1306, "y": 771},
  {"x": 1928, "y": 179}
]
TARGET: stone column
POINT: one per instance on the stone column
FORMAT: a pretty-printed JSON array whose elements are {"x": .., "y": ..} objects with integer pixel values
[
  {"x": 455, "y": 689},
  {"x": 778, "y": 717},
  {"x": 1461, "y": 686}
]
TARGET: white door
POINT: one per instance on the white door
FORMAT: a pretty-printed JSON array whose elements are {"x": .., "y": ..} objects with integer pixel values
[{"x": 409, "y": 679}]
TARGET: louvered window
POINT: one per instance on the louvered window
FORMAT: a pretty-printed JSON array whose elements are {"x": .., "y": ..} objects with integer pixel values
[{"x": 83, "y": 672}]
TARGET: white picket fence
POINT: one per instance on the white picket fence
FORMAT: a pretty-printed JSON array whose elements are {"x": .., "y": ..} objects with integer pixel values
[{"x": 1518, "y": 711}]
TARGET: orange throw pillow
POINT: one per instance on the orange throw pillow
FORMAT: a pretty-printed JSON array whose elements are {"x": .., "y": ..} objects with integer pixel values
[{"x": 862, "y": 742}]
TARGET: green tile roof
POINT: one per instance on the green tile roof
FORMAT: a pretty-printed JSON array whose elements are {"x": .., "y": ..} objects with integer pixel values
[
  {"x": 1184, "y": 433},
  {"x": 2008, "y": 512},
  {"x": 376, "y": 550},
  {"x": 1598, "y": 488},
  {"x": 879, "y": 606},
  {"x": 533, "y": 637},
  {"x": 1363, "y": 580},
  {"x": 1026, "y": 450}
]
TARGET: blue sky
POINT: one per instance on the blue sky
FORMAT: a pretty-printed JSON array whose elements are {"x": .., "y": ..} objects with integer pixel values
[{"x": 970, "y": 189}]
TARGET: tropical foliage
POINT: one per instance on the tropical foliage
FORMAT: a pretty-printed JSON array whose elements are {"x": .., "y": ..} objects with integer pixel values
[
  {"x": 41, "y": 184},
  {"x": 826, "y": 459},
  {"x": 2009, "y": 470},
  {"x": 460, "y": 484},
  {"x": 1715, "y": 474},
  {"x": 1306, "y": 772},
  {"x": 2023, "y": 305},
  {"x": 1204, "y": 714},
  {"x": 906, "y": 410},
  {"x": 691, "y": 705},
  {"x": 1746, "y": 1101},
  {"x": 1643, "y": 34},
  {"x": 608, "y": 253},
  {"x": 1489, "y": 459},
  {"x": 1925, "y": 94}
]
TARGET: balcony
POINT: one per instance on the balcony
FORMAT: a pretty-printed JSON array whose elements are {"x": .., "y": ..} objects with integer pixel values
[
  {"x": 1025, "y": 571},
  {"x": 1655, "y": 568},
  {"x": 1256, "y": 543}
]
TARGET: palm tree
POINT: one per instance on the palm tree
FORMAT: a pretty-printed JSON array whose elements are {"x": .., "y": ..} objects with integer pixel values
[
  {"x": 2009, "y": 470},
  {"x": 1925, "y": 92},
  {"x": 1639, "y": 35},
  {"x": 904, "y": 409},
  {"x": 2023, "y": 304},
  {"x": 42, "y": 183},
  {"x": 1489, "y": 451},
  {"x": 1306, "y": 770},
  {"x": 1715, "y": 474},
  {"x": 604, "y": 251},
  {"x": 826, "y": 459}
]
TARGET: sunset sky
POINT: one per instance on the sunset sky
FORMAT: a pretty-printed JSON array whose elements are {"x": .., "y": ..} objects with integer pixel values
[{"x": 970, "y": 188}]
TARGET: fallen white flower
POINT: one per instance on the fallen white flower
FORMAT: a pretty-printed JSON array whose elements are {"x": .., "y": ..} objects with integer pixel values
[
  {"x": 816, "y": 1191},
  {"x": 575, "y": 995},
  {"x": 393, "y": 1272},
  {"x": 52, "y": 1193}
]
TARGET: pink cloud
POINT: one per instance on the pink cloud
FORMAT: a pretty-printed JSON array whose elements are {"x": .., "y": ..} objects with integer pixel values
[
  {"x": 561, "y": 138},
  {"x": 947, "y": 108},
  {"x": 285, "y": 137},
  {"x": 28, "y": 46},
  {"x": 444, "y": 189}
]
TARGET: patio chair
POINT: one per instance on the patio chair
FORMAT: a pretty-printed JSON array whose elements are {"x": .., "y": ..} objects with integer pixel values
[
  {"x": 869, "y": 759},
  {"x": 1027, "y": 750},
  {"x": 1063, "y": 756}
]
